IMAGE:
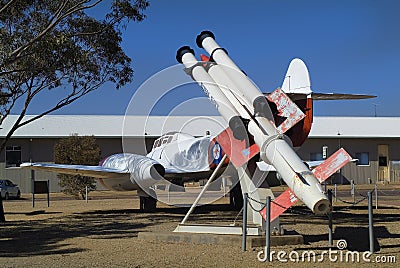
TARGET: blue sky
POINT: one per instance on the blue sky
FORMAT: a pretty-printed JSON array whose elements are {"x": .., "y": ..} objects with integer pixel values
[{"x": 349, "y": 47}]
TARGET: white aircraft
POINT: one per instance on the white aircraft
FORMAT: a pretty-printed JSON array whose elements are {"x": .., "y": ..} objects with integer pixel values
[
  {"x": 179, "y": 155},
  {"x": 173, "y": 156}
]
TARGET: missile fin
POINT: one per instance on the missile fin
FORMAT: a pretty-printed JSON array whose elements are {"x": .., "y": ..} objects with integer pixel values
[
  {"x": 284, "y": 201},
  {"x": 204, "y": 58},
  {"x": 238, "y": 151},
  {"x": 280, "y": 204},
  {"x": 287, "y": 108},
  {"x": 332, "y": 164}
]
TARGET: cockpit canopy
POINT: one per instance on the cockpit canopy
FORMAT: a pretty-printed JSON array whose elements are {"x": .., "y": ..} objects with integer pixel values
[{"x": 170, "y": 137}]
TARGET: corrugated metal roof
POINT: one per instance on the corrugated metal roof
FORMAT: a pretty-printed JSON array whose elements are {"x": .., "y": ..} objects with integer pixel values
[
  {"x": 137, "y": 126},
  {"x": 356, "y": 127},
  {"x": 112, "y": 126}
]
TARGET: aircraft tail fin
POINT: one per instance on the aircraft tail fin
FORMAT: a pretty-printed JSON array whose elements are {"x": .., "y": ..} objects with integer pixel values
[{"x": 297, "y": 79}]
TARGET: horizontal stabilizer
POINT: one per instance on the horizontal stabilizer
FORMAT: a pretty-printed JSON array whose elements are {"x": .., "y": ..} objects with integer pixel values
[
  {"x": 326, "y": 96},
  {"x": 339, "y": 96}
]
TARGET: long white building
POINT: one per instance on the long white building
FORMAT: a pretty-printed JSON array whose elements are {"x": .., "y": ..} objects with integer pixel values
[{"x": 374, "y": 141}]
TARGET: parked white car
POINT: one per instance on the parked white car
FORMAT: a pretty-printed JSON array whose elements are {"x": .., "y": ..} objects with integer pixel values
[{"x": 9, "y": 190}]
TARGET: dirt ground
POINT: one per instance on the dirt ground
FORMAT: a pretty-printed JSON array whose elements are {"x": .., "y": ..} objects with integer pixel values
[{"x": 103, "y": 233}]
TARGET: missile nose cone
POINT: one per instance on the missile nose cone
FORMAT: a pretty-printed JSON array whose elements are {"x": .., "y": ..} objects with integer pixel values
[
  {"x": 204, "y": 58},
  {"x": 182, "y": 51},
  {"x": 203, "y": 35}
]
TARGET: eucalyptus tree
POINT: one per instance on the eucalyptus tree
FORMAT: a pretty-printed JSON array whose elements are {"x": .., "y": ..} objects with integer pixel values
[
  {"x": 49, "y": 45},
  {"x": 69, "y": 46}
]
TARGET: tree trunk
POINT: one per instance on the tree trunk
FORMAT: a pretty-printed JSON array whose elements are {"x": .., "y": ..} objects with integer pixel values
[{"x": 2, "y": 218}]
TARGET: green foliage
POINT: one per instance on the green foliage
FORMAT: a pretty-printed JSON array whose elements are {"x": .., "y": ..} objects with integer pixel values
[
  {"x": 49, "y": 45},
  {"x": 77, "y": 150}
]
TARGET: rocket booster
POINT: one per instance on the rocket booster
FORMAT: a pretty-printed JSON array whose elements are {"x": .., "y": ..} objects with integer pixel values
[
  {"x": 244, "y": 87},
  {"x": 274, "y": 147},
  {"x": 185, "y": 55}
]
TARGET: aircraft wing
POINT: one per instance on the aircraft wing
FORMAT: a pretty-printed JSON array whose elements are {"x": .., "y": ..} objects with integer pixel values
[
  {"x": 90, "y": 171},
  {"x": 104, "y": 173}
]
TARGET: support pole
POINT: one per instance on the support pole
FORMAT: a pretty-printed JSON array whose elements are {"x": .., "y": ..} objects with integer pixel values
[
  {"x": 244, "y": 225},
  {"x": 168, "y": 193},
  {"x": 2, "y": 217},
  {"x": 268, "y": 228},
  {"x": 86, "y": 194},
  {"x": 213, "y": 175},
  {"x": 330, "y": 229},
  {"x": 370, "y": 223},
  {"x": 376, "y": 196},
  {"x": 33, "y": 187},
  {"x": 335, "y": 192},
  {"x": 48, "y": 193}
]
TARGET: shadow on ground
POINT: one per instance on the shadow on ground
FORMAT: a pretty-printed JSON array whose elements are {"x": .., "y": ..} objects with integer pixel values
[
  {"x": 350, "y": 226},
  {"x": 46, "y": 237}
]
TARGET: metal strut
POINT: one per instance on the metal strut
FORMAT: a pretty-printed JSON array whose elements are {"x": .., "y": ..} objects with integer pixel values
[{"x": 212, "y": 177}]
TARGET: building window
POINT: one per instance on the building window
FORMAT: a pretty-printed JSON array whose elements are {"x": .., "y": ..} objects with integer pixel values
[
  {"x": 13, "y": 156},
  {"x": 363, "y": 159},
  {"x": 316, "y": 157}
]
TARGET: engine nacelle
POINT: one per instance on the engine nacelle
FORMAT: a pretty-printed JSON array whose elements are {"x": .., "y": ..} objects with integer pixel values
[{"x": 144, "y": 171}]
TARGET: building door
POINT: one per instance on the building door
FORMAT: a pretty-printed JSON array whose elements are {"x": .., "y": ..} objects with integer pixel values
[{"x": 383, "y": 163}]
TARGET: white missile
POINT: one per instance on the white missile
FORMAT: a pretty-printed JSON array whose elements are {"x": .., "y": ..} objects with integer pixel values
[
  {"x": 277, "y": 151},
  {"x": 256, "y": 101},
  {"x": 185, "y": 55},
  {"x": 274, "y": 148},
  {"x": 280, "y": 154}
]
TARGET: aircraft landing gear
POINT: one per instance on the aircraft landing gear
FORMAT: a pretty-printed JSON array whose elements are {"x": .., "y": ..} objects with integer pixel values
[
  {"x": 236, "y": 197},
  {"x": 147, "y": 202}
]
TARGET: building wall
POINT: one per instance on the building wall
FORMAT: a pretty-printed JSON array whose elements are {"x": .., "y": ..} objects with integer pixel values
[{"x": 41, "y": 150}]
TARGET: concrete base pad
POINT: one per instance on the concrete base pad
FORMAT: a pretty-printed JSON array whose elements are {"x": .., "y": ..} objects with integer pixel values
[{"x": 252, "y": 241}]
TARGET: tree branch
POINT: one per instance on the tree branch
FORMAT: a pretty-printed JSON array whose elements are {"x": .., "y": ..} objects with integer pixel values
[
  {"x": 53, "y": 22},
  {"x": 66, "y": 101},
  {"x": 16, "y": 124},
  {"x": 6, "y": 5}
]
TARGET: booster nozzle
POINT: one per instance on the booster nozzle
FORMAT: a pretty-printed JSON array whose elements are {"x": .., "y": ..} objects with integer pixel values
[
  {"x": 261, "y": 107},
  {"x": 182, "y": 51},
  {"x": 203, "y": 35},
  {"x": 238, "y": 126}
]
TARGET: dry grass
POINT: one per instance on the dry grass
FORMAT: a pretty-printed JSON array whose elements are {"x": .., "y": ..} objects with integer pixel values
[{"x": 103, "y": 233}]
